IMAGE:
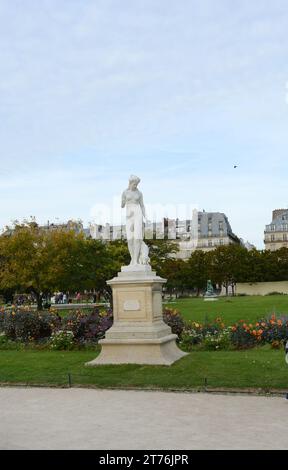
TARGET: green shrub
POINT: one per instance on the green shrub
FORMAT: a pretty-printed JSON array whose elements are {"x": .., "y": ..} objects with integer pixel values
[
  {"x": 62, "y": 340},
  {"x": 190, "y": 338},
  {"x": 219, "y": 340},
  {"x": 275, "y": 293},
  {"x": 3, "y": 339}
]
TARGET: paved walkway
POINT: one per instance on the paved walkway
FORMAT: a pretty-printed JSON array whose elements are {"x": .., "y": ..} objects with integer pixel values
[{"x": 42, "y": 418}]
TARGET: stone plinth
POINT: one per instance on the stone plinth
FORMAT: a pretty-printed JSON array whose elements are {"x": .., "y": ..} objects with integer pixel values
[
  {"x": 138, "y": 334},
  {"x": 211, "y": 298}
]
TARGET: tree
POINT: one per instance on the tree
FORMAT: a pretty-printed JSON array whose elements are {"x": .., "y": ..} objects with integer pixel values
[
  {"x": 174, "y": 271},
  {"x": 197, "y": 271},
  {"x": 42, "y": 261},
  {"x": 25, "y": 261},
  {"x": 159, "y": 252},
  {"x": 228, "y": 265}
]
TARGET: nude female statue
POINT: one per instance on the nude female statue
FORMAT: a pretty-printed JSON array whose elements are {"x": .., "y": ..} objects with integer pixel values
[{"x": 135, "y": 213}]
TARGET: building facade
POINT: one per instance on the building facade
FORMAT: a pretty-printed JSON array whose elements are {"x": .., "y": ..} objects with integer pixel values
[
  {"x": 205, "y": 231},
  {"x": 276, "y": 233},
  {"x": 213, "y": 230}
]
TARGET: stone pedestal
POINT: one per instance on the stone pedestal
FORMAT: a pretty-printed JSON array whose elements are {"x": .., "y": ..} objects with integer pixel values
[
  {"x": 138, "y": 334},
  {"x": 210, "y": 298}
]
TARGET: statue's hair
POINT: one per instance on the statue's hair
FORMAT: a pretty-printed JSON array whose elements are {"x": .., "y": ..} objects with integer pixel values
[{"x": 134, "y": 178}]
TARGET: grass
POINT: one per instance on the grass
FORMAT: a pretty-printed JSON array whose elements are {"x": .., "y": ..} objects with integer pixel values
[
  {"x": 232, "y": 309},
  {"x": 260, "y": 368}
]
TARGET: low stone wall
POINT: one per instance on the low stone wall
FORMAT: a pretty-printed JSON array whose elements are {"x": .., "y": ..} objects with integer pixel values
[{"x": 262, "y": 288}]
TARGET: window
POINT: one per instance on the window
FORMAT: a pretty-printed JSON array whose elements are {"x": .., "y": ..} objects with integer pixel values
[
  {"x": 285, "y": 237},
  {"x": 273, "y": 227},
  {"x": 221, "y": 242},
  {"x": 210, "y": 243},
  {"x": 272, "y": 238}
]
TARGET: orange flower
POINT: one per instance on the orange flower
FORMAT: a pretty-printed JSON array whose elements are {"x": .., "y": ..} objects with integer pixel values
[
  {"x": 279, "y": 322},
  {"x": 257, "y": 324},
  {"x": 254, "y": 332},
  {"x": 234, "y": 328},
  {"x": 260, "y": 332},
  {"x": 263, "y": 324}
]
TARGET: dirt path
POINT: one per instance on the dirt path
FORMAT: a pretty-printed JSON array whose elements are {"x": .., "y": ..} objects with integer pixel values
[{"x": 42, "y": 418}]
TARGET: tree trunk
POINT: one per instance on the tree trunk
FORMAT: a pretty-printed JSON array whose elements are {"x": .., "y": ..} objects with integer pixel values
[{"x": 39, "y": 299}]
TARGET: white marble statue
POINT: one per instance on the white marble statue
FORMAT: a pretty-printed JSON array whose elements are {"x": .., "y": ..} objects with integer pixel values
[{"x": 135, "y": 215}]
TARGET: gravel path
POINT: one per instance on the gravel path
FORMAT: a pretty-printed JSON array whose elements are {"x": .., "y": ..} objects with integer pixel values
[{"x": 47, "y": 418}]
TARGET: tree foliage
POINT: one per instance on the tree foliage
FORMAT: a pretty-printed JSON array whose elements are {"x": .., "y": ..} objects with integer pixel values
[{"x": 42, "y": 261}]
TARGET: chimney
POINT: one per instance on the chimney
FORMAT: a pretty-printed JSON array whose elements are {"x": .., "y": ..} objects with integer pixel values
[{"x": 278, "y": 212}]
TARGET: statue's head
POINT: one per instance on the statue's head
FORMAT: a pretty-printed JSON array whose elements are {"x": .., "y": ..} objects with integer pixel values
[{"x": 133, "y": 181}]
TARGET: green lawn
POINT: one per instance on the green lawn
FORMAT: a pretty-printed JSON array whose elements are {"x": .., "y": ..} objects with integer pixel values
[
  {"x": 260, "y": 368},
  {"x": 232, "y": 309}
]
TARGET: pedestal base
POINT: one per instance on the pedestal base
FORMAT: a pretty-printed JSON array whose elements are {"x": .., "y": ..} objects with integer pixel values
[
  {"x": 162, "y": 351},
  {"x": 138, "y": 334}
]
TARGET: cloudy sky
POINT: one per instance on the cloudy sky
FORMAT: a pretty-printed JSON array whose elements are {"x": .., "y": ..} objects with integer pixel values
[{"x": 175, "y": 92}]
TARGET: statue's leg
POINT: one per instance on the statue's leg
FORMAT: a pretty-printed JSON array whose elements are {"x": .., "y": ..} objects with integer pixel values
[
  {"x": 131, "y": 250},
  {"x": 137, "y": 248}
]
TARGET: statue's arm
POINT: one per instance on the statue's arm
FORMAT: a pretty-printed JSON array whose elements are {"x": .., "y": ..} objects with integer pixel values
[
  {"x": 142, "y": 205},
  {"x": 123, "y": 201}
]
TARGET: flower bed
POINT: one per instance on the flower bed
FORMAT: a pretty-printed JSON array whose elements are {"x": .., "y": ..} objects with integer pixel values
[
  {"x": 216, "y": 335},
  {"x": 44, "y": 329}
]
